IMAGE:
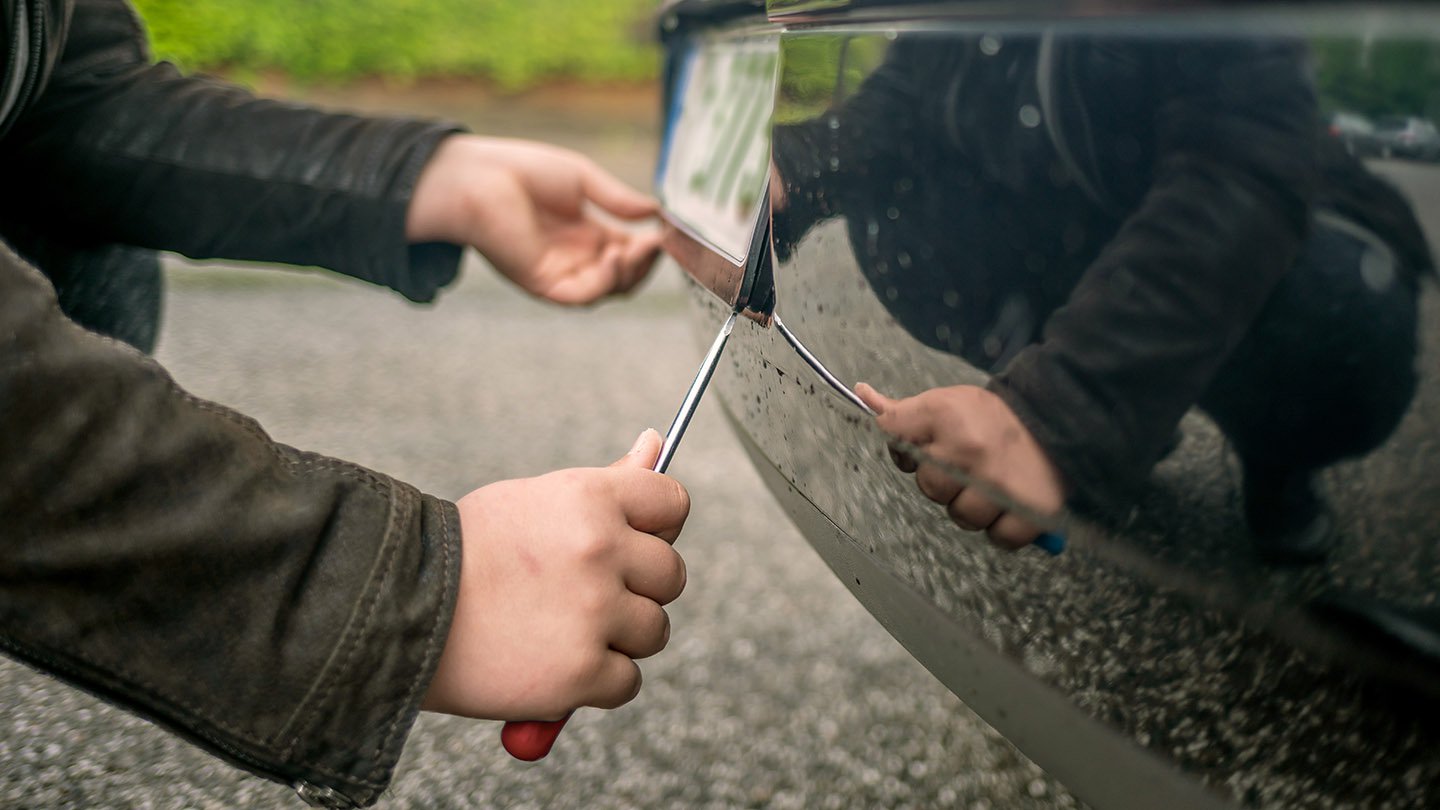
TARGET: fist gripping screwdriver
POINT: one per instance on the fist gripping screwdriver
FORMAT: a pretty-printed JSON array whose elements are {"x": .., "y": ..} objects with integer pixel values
[
  {"x": 532, "y": 739},
  {"x": 749, "y": 288}
]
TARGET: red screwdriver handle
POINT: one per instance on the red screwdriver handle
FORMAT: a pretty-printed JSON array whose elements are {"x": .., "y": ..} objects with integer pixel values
[{"x": 530, "y": 740}]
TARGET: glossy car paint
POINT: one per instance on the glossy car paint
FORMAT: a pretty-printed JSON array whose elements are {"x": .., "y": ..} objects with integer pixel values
[{"x": 1159, "y": 662}]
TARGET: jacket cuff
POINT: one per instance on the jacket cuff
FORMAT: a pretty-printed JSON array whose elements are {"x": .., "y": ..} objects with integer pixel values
[
  {"x": 1101, "y": 469},
  {"x": 379, "y": 251},
  {"x": 347, "y": 744}
]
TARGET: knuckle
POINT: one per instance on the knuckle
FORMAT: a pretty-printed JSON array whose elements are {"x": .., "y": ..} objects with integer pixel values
[
  {"x": 958, "y": 516},
  {"x": 591, "y": 543},
  {"x": 588, "y": 669},
  {"x": 624, "y": 687},
  {"x": 936, "y": 484},
  {"x": 674, "y": 578},
  {"x": 681, "y": 499},
  {"x": 656, "y": 633},
  {"x": 1012, "y": 533},
  {"x": 665, "y": 627}
]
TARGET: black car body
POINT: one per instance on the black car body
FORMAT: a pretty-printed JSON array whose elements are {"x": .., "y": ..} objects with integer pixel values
[{"x": 924, "y": 195}]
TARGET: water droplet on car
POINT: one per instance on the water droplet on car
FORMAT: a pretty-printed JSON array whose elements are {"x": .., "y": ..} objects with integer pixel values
[
  {"x": 892, "y": 213},
  {"x": 1029, "y": 116},
  {"x": 951, "y": 298},
  {"x": 989, "y": 44}
]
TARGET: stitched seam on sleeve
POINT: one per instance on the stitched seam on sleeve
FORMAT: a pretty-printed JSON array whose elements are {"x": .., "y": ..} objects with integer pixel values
[
  {"x": 355, "y": 632},
  {"x": 432, "y": 649}
]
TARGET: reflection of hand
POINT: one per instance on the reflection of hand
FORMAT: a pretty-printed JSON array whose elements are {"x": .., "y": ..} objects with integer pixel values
[
  {"x": 776, "y": 189},
  {"x": 561, "y": 585},
  {"x": 527, "y": 208},
  {"x": 977, "y": 432}
]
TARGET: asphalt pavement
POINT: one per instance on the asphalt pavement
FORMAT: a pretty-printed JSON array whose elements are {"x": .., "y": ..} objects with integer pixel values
[{"x": 777, "y": 689}]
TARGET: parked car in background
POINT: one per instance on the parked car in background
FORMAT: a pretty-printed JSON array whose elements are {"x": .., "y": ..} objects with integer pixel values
[
  {"x": 1121, "y": 221},
  {"x": 1356, "y": 132},
  {"x": 1406, "y": 136}
]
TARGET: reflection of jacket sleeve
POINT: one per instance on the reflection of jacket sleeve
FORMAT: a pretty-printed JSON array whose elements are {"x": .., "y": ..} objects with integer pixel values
[
  {"x": 1154, "y": 317},
  {"x": 125, "y": 151},
  {"x": 283, "y": 610}
]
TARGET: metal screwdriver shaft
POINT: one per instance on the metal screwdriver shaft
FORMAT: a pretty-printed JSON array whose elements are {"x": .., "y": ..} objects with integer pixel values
[
  {"x": 530, "y": 740},
  {"x": 692, "y": 397}
]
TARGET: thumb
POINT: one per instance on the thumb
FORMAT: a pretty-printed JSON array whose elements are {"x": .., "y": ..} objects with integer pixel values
[
  {"x": 878, "y": 402},
  {"x": 643, "y": 453}
]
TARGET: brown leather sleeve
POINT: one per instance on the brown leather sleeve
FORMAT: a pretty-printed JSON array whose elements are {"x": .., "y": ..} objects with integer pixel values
[
  {"x": 282, "y": 609},
  {"x": 1154, "y": 317}
]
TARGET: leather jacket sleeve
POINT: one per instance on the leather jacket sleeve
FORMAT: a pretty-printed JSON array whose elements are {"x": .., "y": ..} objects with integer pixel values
[
  {"x": 127, "y": 151},
  {"x": 1155, "y": 316},
  {"x": 1209, "y": 213},
  {"x": 283, "y": 610}
]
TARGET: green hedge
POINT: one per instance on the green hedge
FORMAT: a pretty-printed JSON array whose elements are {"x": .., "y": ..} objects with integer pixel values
[{"x": 514, "y": 43}]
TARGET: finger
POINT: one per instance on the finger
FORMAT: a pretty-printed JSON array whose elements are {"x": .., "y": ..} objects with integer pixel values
[
  {"x": 937, "y": 485},
  {"x": 638, "y": 259},
  {"x": 878, "y": 402},
  {"x": 643, "y": 453},
  {"x": 907, "y": 419},
  {"x": 1011, "y": 532},
  {"x": 652, "y": 503},
  {"x": 649, "y": 567},
  {"x": 973, "y": 510},
  {"x": 615, "y": 682},
  {"x": 608, "y": 192},
  {"x": 579, "y": 289},
  {"x": 641, "y": 630},
  {"x": 609, "y": 268}
]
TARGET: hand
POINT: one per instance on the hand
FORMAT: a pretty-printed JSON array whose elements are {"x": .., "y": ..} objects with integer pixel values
[
  {"x": 561, "y": 586},
  {"x": 975, "y": 431},
  {"x": 529, "y": 208}
]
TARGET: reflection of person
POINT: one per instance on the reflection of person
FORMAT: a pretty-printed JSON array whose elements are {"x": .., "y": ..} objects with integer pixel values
[
  {"x": 289, "y": 612},
  {"x": 1119, "y": 229}
]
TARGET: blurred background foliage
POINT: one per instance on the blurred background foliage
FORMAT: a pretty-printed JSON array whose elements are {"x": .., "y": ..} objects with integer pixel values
[
  {"x": 513, "y": 43},
  {"x": 808, "y": 84}
]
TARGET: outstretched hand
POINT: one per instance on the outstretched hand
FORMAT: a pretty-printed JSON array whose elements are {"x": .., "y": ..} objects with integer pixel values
[
  {"x": 535, "y": 212},
  {"x": 561, "y": 587},
  {"x": 974, "y": 430}
]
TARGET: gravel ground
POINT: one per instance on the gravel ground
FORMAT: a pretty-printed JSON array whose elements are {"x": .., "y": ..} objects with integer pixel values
[{"x": 778, "y": 690}]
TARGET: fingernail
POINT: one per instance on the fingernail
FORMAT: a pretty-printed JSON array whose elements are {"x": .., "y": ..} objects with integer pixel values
[{"x": 640, "y": 441}]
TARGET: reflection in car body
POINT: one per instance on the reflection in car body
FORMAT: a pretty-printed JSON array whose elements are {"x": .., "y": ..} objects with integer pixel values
[
  {"x": 1407, "y": 136},
  {"x": 1356, "y": 132},
  {"x": 1132, "y": 226}
]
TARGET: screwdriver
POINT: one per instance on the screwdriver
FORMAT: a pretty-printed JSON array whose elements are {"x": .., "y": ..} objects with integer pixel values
[{"x": 530, "y": 740}]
